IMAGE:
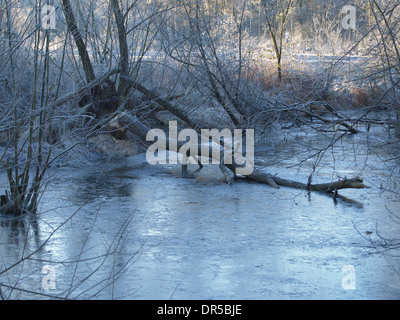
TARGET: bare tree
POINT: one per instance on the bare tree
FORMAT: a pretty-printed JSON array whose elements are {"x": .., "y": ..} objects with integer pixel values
[{"x": 277, "y": 14}]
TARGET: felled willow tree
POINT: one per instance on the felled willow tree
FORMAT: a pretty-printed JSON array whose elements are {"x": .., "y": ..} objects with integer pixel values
[{"x": 205, "y": 59}]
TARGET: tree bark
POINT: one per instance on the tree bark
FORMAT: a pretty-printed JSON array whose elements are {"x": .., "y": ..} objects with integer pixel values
[
  {"x": 123, "y": 47},
  {"x": 275, "y": 182},
  {"x": 73, "y": 28}
]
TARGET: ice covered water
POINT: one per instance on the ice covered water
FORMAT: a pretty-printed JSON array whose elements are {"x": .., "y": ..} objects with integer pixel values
[{"x": 131, "y": 230}]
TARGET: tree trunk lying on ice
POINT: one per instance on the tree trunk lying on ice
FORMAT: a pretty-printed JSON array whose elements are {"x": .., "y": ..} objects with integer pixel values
[
  {"x": 139, "y": 129},
  {"x": 275, "y": 182}
]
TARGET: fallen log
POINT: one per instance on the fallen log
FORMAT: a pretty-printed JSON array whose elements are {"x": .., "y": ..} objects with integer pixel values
[
  {"x": 275, "y": 182},
  {"x": 136, "y": 127},
  {"x": 355, "y": 183}
]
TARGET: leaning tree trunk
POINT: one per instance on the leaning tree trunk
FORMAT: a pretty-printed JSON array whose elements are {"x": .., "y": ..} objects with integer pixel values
[
  {"x": 123, "y": 47},
  {"x": 103, "y": 98},
  {"x": 80, "y": 44}
]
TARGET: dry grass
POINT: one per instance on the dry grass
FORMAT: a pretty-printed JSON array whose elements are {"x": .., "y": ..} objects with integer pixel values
[
  {"x": 301, "y": 82},
  {"x": 297, "y": 80},
  {"x": 363, "y": 96}
]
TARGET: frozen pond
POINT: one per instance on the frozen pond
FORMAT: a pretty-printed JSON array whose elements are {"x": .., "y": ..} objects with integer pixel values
[{"x": 128, "y": 230}]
